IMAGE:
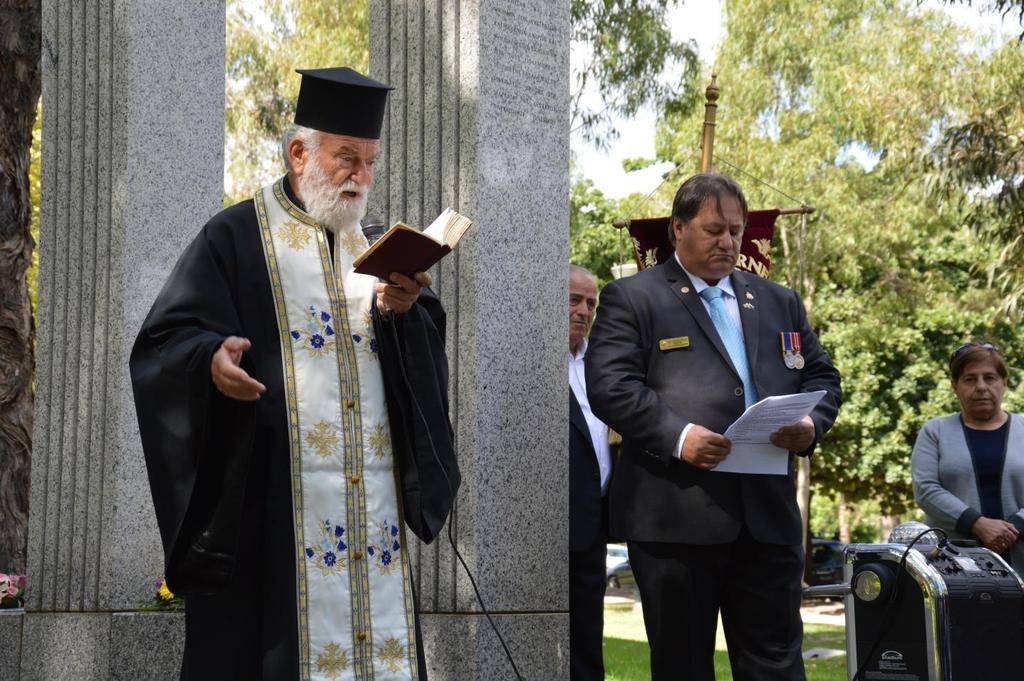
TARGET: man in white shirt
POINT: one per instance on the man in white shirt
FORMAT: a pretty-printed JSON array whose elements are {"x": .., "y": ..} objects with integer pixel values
[{"x": 589, "y": 469}]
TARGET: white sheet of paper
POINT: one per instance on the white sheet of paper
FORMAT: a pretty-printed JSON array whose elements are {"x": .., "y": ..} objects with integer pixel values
[{"x": 752, "y": 451}]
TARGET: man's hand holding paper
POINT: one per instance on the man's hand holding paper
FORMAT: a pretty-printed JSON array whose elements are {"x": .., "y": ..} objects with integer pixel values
[
  {"x": 766, "y": 432},
  {"x": 704, "y": 448},
  {"x": 794, "y": 438}
]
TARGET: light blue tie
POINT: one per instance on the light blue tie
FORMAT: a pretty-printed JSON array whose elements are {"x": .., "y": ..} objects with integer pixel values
[{"x": 732, "y": 339}]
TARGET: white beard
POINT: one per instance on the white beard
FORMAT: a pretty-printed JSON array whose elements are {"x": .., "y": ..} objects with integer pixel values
[{"x": 325, "y": 202}]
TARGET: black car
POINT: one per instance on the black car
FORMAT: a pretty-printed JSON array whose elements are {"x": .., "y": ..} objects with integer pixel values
[
  {"x": 827, "y": 561},
  {"x": 826, "y": 557}
]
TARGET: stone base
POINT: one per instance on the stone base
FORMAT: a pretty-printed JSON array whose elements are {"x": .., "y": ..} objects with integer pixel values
[
  {"x": 463, "y": 646},
  {"x": 66, "y": 646},
  {"x": 147, "y": 646},
  {"x": 11, "y": 622}
]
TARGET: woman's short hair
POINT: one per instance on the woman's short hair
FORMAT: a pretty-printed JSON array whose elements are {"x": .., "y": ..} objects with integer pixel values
[{"x": 976, "y": 351}]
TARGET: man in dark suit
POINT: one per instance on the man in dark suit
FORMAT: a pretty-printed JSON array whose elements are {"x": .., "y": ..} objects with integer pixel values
[
  {"x": 676, "y": 354},
  {"x": 589, "y": 470}
]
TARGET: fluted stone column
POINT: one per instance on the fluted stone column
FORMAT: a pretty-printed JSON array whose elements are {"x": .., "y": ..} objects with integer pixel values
[
  {"x": 133, "y": 101},
  {"x": 479, "y": 121}
]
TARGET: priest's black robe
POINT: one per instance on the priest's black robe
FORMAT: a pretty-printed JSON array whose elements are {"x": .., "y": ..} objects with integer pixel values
[{"x": 219, "y": 469}]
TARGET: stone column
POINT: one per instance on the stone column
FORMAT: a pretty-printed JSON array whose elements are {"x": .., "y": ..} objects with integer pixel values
[
  {"x": 479, "y": 122},
  {"x": 133, "y": 137}
]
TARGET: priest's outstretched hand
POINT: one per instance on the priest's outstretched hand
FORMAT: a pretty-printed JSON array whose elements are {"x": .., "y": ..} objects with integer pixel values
[
  {"x": 230, "y": 378},
  {"x": 401, "y": 293}
]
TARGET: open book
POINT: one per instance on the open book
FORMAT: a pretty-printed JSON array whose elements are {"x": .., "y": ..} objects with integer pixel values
[{"x": 406, "y": 250}]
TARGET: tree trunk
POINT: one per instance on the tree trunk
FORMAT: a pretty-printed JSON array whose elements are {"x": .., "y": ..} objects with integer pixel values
[
  {"x": 844, "y": 519},
  {"x": 886, "y": 525},
  {"x": 20, "y": 84}
]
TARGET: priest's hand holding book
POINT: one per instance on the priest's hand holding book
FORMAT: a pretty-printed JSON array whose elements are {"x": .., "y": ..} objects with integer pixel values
[
  {"x": 399, "y": 296},
  {"x": 403, "y": 255}
]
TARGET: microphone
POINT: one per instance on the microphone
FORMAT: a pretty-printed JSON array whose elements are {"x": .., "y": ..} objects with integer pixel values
[{"x": 373, "y": 228}]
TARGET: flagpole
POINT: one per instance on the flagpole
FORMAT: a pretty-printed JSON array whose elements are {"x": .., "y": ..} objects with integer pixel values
[{"x": 707, "y": 143}]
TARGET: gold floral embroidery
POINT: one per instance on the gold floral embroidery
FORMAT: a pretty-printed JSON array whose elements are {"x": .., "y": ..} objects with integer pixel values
[
  {"x": 295, "y": 235},
  {"x": 323, "y": 439},
  {"x": 331, "y": 661},
  {"x": 391, "y": 654},
  {"x": 352, "y": 241},
  {"x": 378, "y": 441}
]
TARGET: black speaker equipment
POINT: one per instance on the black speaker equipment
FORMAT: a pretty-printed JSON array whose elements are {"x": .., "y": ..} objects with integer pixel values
[{"x": 930, "y": 610}]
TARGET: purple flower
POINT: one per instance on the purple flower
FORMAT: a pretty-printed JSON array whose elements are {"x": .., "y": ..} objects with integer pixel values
[
  {"x": 369, "y": 550},
  {"x": 328, "y": 330},
  {"x": 394, "y": 546},
  {"x": 339, "y": 530},
  {"x": 309, "y": 553},
  {"x": 330, "y": 559},
  {"x": 394, "y": 531},
  {"x": 325, "y": 317},
  {"x": 385, "y": 558},
  {"x": 356, "y": 337},
  {"x": 373, "y": 345},
  {"x": 296, "y": 335},
  {"x": 316, "y": 340},
  {"x": 342, "y": 546}
]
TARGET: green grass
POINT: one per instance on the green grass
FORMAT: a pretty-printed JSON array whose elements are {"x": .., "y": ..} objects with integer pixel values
[{"x": 627, "y": 657}]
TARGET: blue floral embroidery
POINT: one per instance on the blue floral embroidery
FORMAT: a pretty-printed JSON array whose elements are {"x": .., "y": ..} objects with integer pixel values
[
  {"x": 328, "y": 554},
  {"x": 369, "y": 346},
  {"x": 384, "y": 551},
  {"x": 317, "y": 335}
]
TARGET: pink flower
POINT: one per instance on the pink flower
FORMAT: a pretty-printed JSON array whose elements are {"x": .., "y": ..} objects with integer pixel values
[
  {"x": 12, "y": 591},
  {"x": 20, "y": 581}
]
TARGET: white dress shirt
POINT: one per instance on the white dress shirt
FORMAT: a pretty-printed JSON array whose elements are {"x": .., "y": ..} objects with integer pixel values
[
  {"x": 598, "y": 430},
  {"x": 731, "y": 305}
]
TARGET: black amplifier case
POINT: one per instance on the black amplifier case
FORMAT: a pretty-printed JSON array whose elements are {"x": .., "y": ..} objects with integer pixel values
[{"x": 957, "y": 615}]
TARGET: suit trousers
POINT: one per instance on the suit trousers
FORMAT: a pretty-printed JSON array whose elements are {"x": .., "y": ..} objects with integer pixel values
[
  {"x": 757, "y": 588},
  {"x": 587, "y": 576}
]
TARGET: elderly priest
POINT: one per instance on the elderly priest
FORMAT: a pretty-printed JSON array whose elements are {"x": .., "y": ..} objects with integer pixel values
[{"x": 294, "y": 418}]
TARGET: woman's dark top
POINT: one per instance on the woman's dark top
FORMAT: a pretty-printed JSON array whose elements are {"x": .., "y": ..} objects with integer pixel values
[{"x": 988, "y": 450}]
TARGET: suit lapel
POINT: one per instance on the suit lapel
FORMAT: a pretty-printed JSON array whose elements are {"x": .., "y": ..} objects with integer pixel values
[
  {"x": 748, "y": 315},
  {"x": 577, "y": 419},
  {"x": 677, "y": 280}
]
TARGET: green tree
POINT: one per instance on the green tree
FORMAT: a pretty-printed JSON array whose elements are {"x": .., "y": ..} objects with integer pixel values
[
  {"x": 630, "y": 59},
  {"x": 594, "y": 241},
  {"x": 20, "y": 83},
  {"x": 266, "y": 42},
  {"x": 980, "y": 165}
]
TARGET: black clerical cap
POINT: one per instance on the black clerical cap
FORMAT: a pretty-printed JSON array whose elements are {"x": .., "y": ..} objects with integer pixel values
[{"x": 341, "y": 101}]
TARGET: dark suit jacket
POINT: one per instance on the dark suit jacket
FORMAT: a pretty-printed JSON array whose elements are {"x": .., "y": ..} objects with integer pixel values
[
  {"x": 584, "y": 482},
  {"x": 649, "y": 395}
]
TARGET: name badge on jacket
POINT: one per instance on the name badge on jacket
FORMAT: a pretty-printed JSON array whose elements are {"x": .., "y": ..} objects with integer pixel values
[{"x": 666, "y": 344}]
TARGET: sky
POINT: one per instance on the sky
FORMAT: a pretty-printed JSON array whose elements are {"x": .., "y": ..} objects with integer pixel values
[{"x": 701, "y": 21}]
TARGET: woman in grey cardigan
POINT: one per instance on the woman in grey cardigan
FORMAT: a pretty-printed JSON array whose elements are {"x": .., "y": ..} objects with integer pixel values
[{"x": 968, "y": 468}]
